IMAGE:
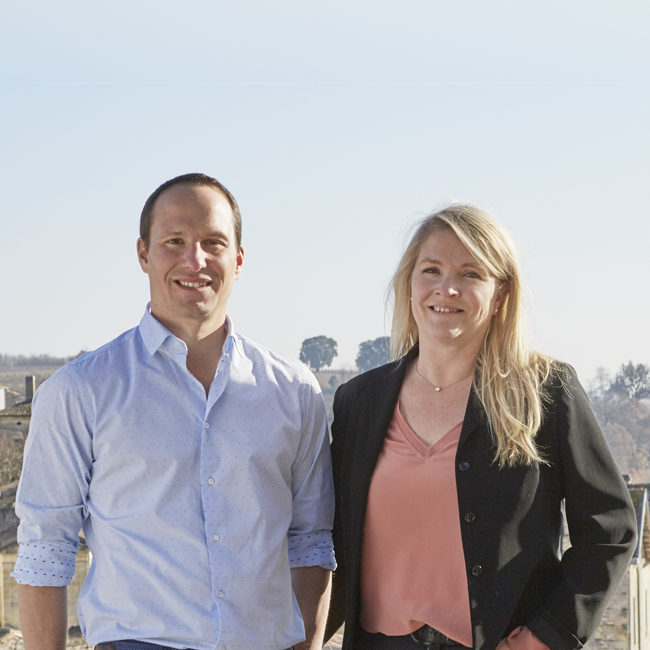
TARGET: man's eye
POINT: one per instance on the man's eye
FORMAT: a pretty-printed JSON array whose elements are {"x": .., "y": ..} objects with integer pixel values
[{"x": 175, "y": 240}]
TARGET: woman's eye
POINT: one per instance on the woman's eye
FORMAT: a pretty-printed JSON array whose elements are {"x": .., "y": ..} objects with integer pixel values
[
  {"x": 472, "y": 274},
  {"x": 431, "y": 269}
]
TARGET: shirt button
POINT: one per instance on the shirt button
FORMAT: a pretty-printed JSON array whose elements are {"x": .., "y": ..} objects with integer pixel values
[
  {"x": 463, "y": 466},
  {"x": 477, "y": 569},
  {"x": 210, "y": 481},
  {"x": 470, "y": 517},
  {"x": 221, "y": 594},
  {"x": 206, "y": 425},
  {"x": 216, "y": 538}
]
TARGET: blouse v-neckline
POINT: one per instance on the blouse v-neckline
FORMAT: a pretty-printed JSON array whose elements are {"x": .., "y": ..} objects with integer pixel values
[{"x": 421, "y": 447}]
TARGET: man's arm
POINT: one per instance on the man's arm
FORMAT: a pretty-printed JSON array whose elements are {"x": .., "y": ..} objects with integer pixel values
[
  {"x": 43, "y": 615},
  {"x": 311, "y": 585}
]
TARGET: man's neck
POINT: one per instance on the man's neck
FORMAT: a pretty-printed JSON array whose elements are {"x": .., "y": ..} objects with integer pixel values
[
  {"x": 207, "y": 334},
  {"x": 204, "y": 341},
  {"x": 203, "y": 357}
]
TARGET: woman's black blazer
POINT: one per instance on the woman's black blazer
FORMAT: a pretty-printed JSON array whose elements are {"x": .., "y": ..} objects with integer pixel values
[{"x": 510, "y": 517}]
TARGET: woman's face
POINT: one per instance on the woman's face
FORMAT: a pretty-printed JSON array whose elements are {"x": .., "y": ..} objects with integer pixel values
[{"x": 453, "y": 297}]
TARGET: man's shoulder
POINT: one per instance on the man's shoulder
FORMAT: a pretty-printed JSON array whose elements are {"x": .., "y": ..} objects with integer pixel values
[
  {"x": 115, "y": 351},
  {"x": 79, "y": 376},
  {"x": 277, "y": 364},
  {"x": 101, "y": 360}
]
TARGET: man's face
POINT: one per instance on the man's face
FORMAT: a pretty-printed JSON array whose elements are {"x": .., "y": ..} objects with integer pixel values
[{"x": 192, "y": 259}]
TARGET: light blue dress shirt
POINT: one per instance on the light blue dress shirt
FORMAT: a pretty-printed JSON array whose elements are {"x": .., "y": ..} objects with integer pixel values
[{"x": 194, "y": 509}]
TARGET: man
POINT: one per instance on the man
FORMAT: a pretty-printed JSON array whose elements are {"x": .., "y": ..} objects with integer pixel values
[{"x": 195, "y": 461}]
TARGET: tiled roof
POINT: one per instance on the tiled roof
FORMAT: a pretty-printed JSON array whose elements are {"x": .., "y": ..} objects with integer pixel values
[{"x": 20, "y": 410}]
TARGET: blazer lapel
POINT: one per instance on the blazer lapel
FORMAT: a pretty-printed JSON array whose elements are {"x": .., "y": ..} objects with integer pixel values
[
  {"x": 382, "y": 398},
  {"x": 382, "y": 394},
  {"x": 474, "y": 417}
]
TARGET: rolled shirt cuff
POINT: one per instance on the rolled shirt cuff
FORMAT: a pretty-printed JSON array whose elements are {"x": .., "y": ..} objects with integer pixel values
[
  {"x": 45, "y": 564},
  {"x": 312, "y": 549}
]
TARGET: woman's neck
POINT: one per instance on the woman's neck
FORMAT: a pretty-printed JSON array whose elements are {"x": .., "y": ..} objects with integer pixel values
[{"x": 443, "y": 365}]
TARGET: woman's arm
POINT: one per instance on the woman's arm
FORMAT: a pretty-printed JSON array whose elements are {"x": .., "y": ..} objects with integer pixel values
[{"x": 601, "y": 522}]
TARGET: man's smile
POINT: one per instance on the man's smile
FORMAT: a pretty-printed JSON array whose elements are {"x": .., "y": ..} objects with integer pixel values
[{"x": 193, "y": 285}]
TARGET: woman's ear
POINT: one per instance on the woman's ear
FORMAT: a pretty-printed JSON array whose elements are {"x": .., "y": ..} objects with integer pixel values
[{"x": 503, "y": 288}]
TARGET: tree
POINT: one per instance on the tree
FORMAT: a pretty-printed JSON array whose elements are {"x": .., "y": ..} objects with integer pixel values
[
  {"x": 318, "y": 352},
  {"x": 632, "y": 381},
  {"x": 373, "y": 353}
]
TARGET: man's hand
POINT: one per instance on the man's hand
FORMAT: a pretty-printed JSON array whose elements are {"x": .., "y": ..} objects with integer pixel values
[
  {"x": 311, "y": 585},
  {"x": 43, "y": 615}
]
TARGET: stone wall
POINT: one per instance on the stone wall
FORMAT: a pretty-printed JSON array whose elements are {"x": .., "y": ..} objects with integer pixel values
[
  {"x": 613, "y": 633},
  {"x": 8, "y": 519},
  {"x": 639, "y": 573}
]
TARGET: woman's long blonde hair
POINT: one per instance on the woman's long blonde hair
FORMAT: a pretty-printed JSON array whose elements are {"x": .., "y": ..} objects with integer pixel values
[{"x": 509, "y": 377}]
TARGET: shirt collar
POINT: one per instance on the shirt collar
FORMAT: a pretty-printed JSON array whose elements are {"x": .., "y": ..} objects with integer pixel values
[{"x": 155, "y": 334}]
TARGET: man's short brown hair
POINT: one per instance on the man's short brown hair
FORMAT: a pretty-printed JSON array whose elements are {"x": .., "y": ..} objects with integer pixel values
[{"x": 193, "y": 178}]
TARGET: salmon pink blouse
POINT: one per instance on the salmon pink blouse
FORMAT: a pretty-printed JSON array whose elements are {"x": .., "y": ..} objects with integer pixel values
[{"x": 413, "y": 567}]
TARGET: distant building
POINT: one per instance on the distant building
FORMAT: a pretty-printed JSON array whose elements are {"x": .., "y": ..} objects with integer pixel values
[{"x": 14, "y": 420}]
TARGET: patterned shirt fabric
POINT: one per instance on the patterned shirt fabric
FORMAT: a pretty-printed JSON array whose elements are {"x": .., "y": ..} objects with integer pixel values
[{"x": 194, "y": 508}]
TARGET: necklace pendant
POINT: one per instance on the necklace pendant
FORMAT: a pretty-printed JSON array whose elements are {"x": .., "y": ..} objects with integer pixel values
[{"x": 437, "y": 388}]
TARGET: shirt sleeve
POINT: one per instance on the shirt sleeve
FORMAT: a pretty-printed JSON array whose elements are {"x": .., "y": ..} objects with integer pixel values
[
  {"x": 51, "y": 496},
  {"x": 310, "y": 533}
]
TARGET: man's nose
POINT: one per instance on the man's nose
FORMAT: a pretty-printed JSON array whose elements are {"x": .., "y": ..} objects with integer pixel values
[{"x": 194, "y": 257}]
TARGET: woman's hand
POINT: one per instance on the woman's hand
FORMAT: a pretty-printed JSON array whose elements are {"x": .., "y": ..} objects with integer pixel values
[{"x": 503, "y": 645}]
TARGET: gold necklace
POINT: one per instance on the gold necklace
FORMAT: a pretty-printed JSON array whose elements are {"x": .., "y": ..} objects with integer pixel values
[{"x": 439, "y": 388}]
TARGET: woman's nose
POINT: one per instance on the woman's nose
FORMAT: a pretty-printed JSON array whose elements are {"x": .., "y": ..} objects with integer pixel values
[{"x": 448, "y": 287}]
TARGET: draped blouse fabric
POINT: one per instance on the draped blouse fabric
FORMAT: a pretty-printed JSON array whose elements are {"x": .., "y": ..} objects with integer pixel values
[{"x": 413, "y": 568}]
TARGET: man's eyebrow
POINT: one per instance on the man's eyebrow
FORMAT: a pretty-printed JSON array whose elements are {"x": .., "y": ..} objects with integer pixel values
[{"x": 178, "y": 233}]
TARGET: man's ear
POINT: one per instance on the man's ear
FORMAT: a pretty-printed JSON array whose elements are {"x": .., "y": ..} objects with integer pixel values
[
  {"x": 143, "y": 255},
  {"x": 240, "y": 261}
]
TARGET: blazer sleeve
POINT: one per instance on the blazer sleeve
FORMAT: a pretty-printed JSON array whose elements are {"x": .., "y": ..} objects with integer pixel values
[{"x": 601, "y": 522}]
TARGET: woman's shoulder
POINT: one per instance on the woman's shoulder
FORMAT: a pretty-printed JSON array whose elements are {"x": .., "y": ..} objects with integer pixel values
[
  {"x": 563, "y": 394},
  {"x": 552, "y": 374},
  {"x": 371, "y": 378},
  {"x": 560, "y": 376}
]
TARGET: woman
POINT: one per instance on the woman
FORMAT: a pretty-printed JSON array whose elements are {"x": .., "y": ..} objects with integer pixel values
[{"x": 451, "y": 465}]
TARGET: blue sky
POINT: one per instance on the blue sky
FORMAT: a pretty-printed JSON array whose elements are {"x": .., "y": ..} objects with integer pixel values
[{"x": 337, "y": 126}]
